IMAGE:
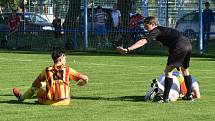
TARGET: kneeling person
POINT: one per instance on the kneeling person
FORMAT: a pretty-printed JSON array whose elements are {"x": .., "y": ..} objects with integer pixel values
[
  {"x": 156, "y": 89},
  {"x": 52, "y": 85},
  {"x": 178, "y": 89}
]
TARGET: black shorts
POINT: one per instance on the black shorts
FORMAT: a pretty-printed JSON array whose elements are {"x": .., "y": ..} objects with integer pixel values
[{"x": 179, "y": 55}]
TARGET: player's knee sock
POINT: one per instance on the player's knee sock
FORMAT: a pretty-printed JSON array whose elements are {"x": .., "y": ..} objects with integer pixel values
[
  {"x": 167, "y": 86},
  {"x": 29, "y": 93},
  {"x": 188, "y": 83}
]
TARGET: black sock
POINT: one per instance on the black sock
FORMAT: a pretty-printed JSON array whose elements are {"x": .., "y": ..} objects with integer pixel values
[
  {"x": 188, "y": 83},
  {"x": 167, "y": 86}
]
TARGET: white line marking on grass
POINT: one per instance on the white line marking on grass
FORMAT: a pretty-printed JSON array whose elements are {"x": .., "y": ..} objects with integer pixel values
[
  {"x": 75, "y": 62},
  {"x": 97, "y": 64},
  {"x": 202, "y": 70},
  {"x": 4, "y": 59}
]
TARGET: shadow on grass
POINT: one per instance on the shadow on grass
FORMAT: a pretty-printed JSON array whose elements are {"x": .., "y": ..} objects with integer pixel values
[
  {"x": 18, "y": 102},
  {"x": 6, "y": 95},
  {"x": 122, "y": 98},
  {"x": 204, "y": 59}
]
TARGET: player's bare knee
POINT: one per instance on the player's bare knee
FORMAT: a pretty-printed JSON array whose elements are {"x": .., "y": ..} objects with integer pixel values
[
  {"x": 168, "y": 74},
  {"x": 168, "y": 71}
]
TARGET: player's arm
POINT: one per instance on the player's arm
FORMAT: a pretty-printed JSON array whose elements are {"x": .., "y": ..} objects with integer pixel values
[
  {"x": 142, "y": 41},
  {"x": 196, "y": 94},
  {"x": 196, "y": 90},
  {"x": 136, "y": 45},
  {"x": 83, "y": 79},
  {"x": 80, "y": 79}
]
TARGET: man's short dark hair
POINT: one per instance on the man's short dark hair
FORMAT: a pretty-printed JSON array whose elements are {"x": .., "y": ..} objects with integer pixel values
[
  {"x": 99, "y": 7},
  {"x": 207, "y": 3},
  {"x": 56, "y": 54}
]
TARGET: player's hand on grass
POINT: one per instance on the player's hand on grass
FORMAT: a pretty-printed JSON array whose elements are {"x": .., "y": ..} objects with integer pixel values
[
  {"x": 121, "y": 50},
  {"x": 82, "y": 81}
]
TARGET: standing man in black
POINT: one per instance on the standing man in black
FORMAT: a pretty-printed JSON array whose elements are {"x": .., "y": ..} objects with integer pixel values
[
  {"x": 208, "y": 19},
  {"x": 57, "y": 25},
  {"x": 179, "y": 53}
]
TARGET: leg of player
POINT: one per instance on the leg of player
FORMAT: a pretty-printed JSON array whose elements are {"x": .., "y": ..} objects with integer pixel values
[
  {"x": 150, "y": 90},
  {"x": 167, "y": 84},
  {"x": 27, "y": 95},
  {"x": 188, "y": 83}
]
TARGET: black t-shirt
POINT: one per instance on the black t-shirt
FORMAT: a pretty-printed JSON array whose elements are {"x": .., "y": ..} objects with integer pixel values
[
  {"x": 57, "y": 23},
  {"x": 167, "y": 36}
]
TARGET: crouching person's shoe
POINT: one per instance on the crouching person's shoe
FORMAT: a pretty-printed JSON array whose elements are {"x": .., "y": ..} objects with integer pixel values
[
  {"x": 164, "y": 100},
  {"x": 188, "y": 97},
  {"x": 18, "y": 95}
]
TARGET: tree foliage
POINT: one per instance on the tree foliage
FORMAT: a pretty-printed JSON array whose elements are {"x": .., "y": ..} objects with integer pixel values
[
  {"x": 12, "y": 4},
  {"x": 125, "y": 7},
  {"x": 72, "y": 14}
]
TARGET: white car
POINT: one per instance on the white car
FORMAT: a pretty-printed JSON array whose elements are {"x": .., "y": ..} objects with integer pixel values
[{"x": 188, "y": 24}]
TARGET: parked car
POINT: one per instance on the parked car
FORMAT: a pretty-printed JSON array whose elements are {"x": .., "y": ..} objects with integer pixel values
[
  {"x": 29, "y": 22},
  {"x": 188, "y": 24}
]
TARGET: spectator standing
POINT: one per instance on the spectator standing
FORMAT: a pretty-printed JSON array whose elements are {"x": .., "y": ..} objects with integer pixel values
[
  {"x": 208, "y": 18},
  {"x": 116, "y": 17},
  {"x": 100, "y": 28},
  {"x": 3, "y": 40},
  {"x": 133, "y": 25},
  {"x": 57, "y": 25},
  {"x": 13, "y": 25}
]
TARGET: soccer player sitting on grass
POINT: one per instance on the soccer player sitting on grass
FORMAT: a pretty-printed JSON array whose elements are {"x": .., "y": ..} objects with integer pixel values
[
  {"x": 51, "y": 87},
  {"x": 179, "y": 53},
  {"x": 178, "y": 89}
]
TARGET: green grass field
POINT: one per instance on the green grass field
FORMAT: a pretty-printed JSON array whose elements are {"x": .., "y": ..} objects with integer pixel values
[{"x": 116, "y": 87}]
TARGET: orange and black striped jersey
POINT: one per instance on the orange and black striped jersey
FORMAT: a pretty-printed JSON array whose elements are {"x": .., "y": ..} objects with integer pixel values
[{"x": 57, "y": 78}]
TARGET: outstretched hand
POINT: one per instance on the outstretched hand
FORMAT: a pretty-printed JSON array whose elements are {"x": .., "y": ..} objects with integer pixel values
[
  {"x": 81, "y": 82},
  {"x": 121, "y": 50}
]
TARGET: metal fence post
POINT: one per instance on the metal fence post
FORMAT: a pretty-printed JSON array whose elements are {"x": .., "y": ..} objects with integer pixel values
[
  {"x": 85, "y": 25},
  {"x": 144, "y": 7},
  {"x": 200, "y": 28}
]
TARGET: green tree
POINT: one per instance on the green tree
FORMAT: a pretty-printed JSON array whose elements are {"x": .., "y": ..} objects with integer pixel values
[
  {"x": 125, "y": 7},
  {"x": 72, "y": 15},
  {"x": 71, "y": 22},
  {"x": 12, "y": 4}
]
